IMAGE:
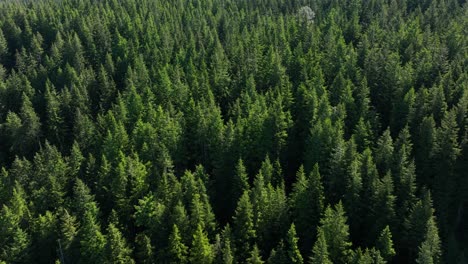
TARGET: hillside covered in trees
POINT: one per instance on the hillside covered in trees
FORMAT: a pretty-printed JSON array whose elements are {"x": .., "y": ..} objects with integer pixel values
[{"x": 234, "y": 131}]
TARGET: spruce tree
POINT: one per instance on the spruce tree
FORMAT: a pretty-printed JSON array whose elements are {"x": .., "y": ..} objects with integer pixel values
[
  {"x": 292, "y": 249},
  {"x": 116, "y": 249},
  {"x": 385, "y": 244},
  {"x": 320, "y": 250},
  {"x": 177, "y": 251},
  {"x": 430, "y": 249},
  {"x": 336, "y": 233},
  {"x": 243, "y": 227},
  {"x": 201, "y": 250},
  {"x": 255, "y": 257}
]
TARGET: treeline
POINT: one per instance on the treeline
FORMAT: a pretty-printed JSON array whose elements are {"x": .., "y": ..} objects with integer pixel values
[{"x": 233, "y": 131}]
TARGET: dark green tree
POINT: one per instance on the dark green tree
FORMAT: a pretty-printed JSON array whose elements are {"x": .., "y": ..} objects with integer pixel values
[
  {"x": 336, "y": 232},
  {"x": 385, "y": 244},
  {"x": 243, "y": 227}
]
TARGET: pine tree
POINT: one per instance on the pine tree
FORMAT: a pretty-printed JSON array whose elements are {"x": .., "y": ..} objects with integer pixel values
[
  {"x": 416, "y": 224},
  {"x": 116, "y": 249},
  {"x": 336, "y": 233},
  {"x": 255, "y": 257},
  {"x": 307, "y": 200},
  {"x": 278, "y": 255},
  {"x": 353, "y": 198},
  {"x": 292, "y": 250},
  {"x": 240, "y": 181},
  {"x": 24, "y": 129},
  {"x": 383, "y": 205},
  {"x": 3, "y": 47},
  {"x": 44, "y": 237},
  {"x": 54, "y": 121},
  {"x": 201, "y": 251},
  {"x": 14, "y": 240},
  {"x": 320, "y": 250},
  {"x": 144, "y": 251},
  {"x": 430, "y": 249},
  {"x": 226, "y": 251},
  {"x": 446, "y": 151},
  {"x": 243, "y": 227},
  {"x": 177, "y": 251},
  {"x": 385, "y": 244},
  {"x": 68, "y": 231},
  {"x": 92, "y": 241},
  {"x": 425, "y": 143},
  {"x": 384, "y": 152}
]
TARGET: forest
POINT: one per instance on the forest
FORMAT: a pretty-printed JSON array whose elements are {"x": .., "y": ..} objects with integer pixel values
[{"x": 234, "y": 131}]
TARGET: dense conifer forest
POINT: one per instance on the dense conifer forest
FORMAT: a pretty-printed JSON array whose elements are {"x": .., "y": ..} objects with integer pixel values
[{"x": 233, "y": 131}]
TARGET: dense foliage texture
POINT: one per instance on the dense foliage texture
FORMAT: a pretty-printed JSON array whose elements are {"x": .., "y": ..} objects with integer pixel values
[{"x": 233, "y": 131}]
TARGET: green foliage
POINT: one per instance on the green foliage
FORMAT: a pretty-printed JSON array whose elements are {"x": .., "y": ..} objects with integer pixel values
[
  {"x": 182, "y": 127},
  {"x": 144, "y": 250},
  {"x": 385, "y": 244},
  {"x": 429, "y": 250},
  {"x": 320, "y": 253},
  {"x": 177, "y": 251},
  {"x": 255, "y": 257},
  {"x": 244, "y": 231},
  {"x": 116, "y": 249},
  {"x": 294, "y": 255},
  {"x": 307, "y": 202},
  {"x": 336, "y": 233},
  {"x": 201, "y": 250}
]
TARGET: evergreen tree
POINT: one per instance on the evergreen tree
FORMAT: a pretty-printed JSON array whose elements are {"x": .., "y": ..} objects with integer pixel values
[
  {"x": 15, "y": 241},
  {"x": 320, "y": 250},
  {"x": 144, "y": 251},
  {"x": 43, "y": 246},
  {"x": 385, "y": 244},
  {"x": 384, "y": 152},
  {"x": 429, "y": 250},
  {"x": 278, "y": 255},
  {"x": 294, "y": 255},
  {"x": 223, "y": 246},
  {"x": 307, "y": 200},
  {"x": 201, "y": 251},
  {"x": 416, "y": 224},
  {"x": 152, "y": 117},
  {"x": 68, "y": 231},
  {"x": 92, "y": 241},
  {"x": 240, "y": 181},
  {"x": 243, "y": 227},
  {"x": 177, "y": 251},
  {"x": 116, "y": 249},
  {"x": 255, "y": 257},
  {"x": 336, "y": 233},
  {"x": 3, "y": 47},
  {"x": 24, "y": 129}
]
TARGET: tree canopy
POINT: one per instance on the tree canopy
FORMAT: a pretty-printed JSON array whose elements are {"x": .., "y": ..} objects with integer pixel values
[{"x": 233, "y": 131}]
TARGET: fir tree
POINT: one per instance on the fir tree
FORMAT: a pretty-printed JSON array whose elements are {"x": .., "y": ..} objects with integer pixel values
[
  {"x": 255, "y": 257},
  {"x": 116, "y": 249},
  {"x": 243, "y": 227},
  {"x": 177, "y": 251},
  {"x": 336, "y": 233},
  {"x": 385, "y": 244},
  {"x": 294, "y": 255},
  {"x": 320, "y": 250},
  {"x": 201, "y": 251}
]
